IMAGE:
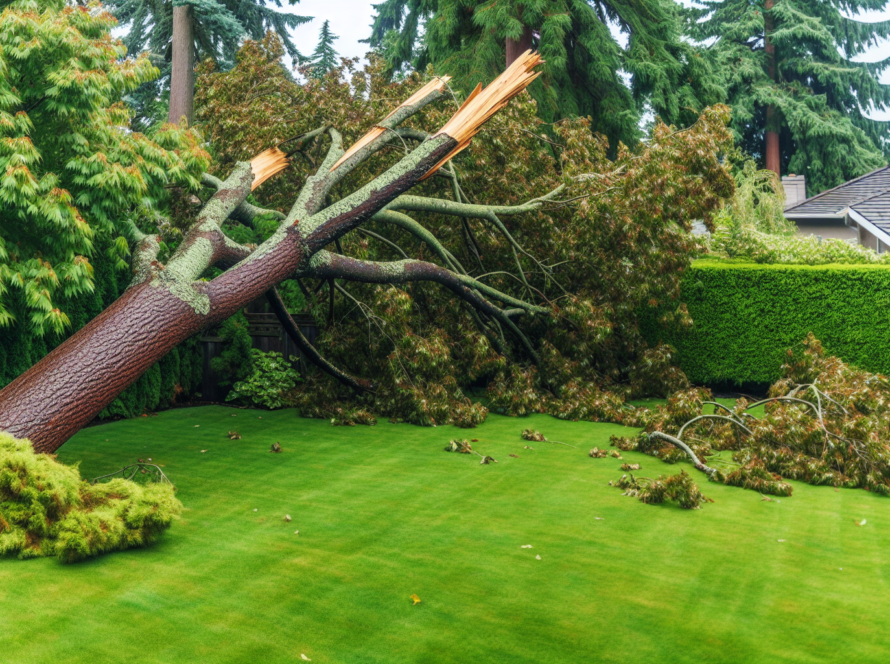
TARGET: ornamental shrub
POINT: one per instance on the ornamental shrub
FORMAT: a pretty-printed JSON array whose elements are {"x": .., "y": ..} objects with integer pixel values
[
  {"x": 46, "y": 509},
  {"x": 269, "y": 385}
]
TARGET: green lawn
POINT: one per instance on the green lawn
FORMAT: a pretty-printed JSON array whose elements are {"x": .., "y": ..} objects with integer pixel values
[{"x": 384, "y": 513}]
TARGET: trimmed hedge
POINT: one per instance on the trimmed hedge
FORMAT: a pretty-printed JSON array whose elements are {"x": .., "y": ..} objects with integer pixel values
[
  {"x": 178, "y": 373},
  {"x": 747, "y": 315}
]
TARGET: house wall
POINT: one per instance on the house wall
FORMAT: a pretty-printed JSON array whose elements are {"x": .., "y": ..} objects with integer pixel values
[
  {"x": 866, "y": 239},
  {"x": 828, "y": 229}
]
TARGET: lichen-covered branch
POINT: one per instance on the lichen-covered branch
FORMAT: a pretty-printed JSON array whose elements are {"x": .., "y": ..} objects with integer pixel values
[{"x": 326, "y": 265}]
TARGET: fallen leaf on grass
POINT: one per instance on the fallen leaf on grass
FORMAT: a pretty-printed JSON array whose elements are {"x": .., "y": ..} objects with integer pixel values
[
  {"x": 599, "y": 518},
  {"x": 302, "y": 656},
  {"x": 234, "y": 435},
  {"x": 781, "y": 540},
  {"x": 528, "y": 447},
  {"x": 276, "y": 447},
  {"x": 860, "y": 523},
  {"x": 287, "y": 518},
  {"x": 474, "y": 440},
  {"x": 202, "y": 451},
  {"x": 296, "y": 532},
  {"x": 197, "y": 425},
  {"x": 538, "y": 557},
  {"x": 515, "y": 456},
  {"x": 416, "y": 600},
  {"x": 630, "y": 466},
  {"x": 526, "y": 546},
  {"x": 487, "y": 460}
]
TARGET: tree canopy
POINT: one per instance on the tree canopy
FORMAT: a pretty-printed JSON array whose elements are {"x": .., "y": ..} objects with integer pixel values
[
  {"x": 72, "y": 173},
  {"x": 588, "y": 70},
  {"x": 797, "y": 59},
  {"x": 611, "y": 244}
]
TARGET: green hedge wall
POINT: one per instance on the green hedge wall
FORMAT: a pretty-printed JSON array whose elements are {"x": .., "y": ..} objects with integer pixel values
[
  {"x": 179, "y": 371},
  {"x": 746, "y": 315}
]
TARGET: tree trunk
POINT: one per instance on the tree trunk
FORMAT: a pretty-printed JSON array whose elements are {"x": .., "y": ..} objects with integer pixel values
[
  {"x": 182, "y": 78},
  {"x": 516, "y": 47},
  {"x": 773, "y": 158},
  {"x": 68, "y": 388}
]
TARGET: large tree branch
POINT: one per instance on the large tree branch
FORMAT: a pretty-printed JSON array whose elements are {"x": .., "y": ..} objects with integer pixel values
[
  {"x": 326, "y": 265},
  {"x": 246, "y": 212},
  {"x": 309, "y": 351}
]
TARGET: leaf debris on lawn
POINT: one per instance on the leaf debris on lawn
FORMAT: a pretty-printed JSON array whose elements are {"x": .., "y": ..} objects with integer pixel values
[
  {"x": 234, "y": 435},
  {"x": 416, "y": 600}
]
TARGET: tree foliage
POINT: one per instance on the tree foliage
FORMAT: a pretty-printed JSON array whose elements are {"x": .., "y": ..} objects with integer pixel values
[
  {"x": 46, "y": 509},
  {"x": 324, "y": 59},
  {"x": 612, "y": 242},
  {"x": 824, "y": 424},
  {"x": 820, "y": 91},
  {"x": 585, "y": 62},
  {"x": 71, "y": 172}
]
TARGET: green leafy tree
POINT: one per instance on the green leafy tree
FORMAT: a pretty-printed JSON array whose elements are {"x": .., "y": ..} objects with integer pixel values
[
  {"x": 797, "y": 94},
  {"x": 71, "y": 173},
  {"x": 206, "y": 29},
  {"x": 325, "y": 57},
  {"x": 586, "y": 64}
]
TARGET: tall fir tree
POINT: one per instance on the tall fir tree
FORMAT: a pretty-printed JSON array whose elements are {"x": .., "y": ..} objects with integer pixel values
[
  {"x": 180, "y": 32},
  {"x": 799, "y": 98},
  {"x": 607, "y": 59},
  {"x": 325, "y": 56}
]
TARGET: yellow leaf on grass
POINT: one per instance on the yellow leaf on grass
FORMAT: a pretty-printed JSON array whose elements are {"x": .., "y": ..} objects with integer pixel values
[{"x": 416, "y": 599}]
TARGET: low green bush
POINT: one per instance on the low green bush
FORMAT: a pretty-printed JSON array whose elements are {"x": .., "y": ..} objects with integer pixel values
[
  {"x": 269, "y": 385},
  {"x": 47, "y": 510},
  {"x": 746, "y": 316}
]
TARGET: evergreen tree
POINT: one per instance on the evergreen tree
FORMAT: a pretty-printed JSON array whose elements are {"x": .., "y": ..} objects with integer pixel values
[
  {"x": 209, "y": 28},
  {"x": 588, "y": 70},
  {"x": 797, "y": 96},
  {"x": 325, "y": 57}
]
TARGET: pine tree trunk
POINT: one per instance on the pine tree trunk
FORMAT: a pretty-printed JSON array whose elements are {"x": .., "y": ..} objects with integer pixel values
[
  {"x": 773, "y": 159},
  {"x": 516, "y": 47},
  {"x": 182, "y": 78}
]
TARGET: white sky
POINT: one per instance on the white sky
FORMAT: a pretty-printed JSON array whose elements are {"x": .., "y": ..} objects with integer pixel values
[{"x": 351, "y": 21}]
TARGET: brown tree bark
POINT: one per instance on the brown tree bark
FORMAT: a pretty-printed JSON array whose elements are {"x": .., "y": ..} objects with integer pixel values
[
  {"x": 182, "y": 78},
  {"x": 516, "y": 47},
  {"x": 773, "y": 157}
]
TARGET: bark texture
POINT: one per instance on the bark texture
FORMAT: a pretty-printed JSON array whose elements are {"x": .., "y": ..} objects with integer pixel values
[
  {"x": 773, "y": 158},
  {"x": 182, "y": 78}
]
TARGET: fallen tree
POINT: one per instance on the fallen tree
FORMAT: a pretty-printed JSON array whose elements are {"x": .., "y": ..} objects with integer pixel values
[{"x": 168, "y": 301}]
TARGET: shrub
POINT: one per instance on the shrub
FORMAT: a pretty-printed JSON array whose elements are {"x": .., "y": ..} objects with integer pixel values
[
  {"x": 268, "y": 386},
  {"x": 746, "y": 315},
  {"x": 47, "y": 510}
]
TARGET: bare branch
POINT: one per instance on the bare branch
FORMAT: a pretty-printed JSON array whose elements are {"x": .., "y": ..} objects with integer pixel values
[
  {"x": 309, "y": 351},
  {"x": 327, "y": 265}
]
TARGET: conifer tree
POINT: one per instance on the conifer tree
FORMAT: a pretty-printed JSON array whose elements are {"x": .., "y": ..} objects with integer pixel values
[
  {"x": 587, "y": 70},
  {"x": 325, "y": 57},
  {"x": 798, "y": 97},
  {"x": 179, "y": 32}
]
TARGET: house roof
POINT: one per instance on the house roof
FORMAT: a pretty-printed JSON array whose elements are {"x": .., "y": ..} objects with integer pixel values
[{"x": 867, "y": 194}]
